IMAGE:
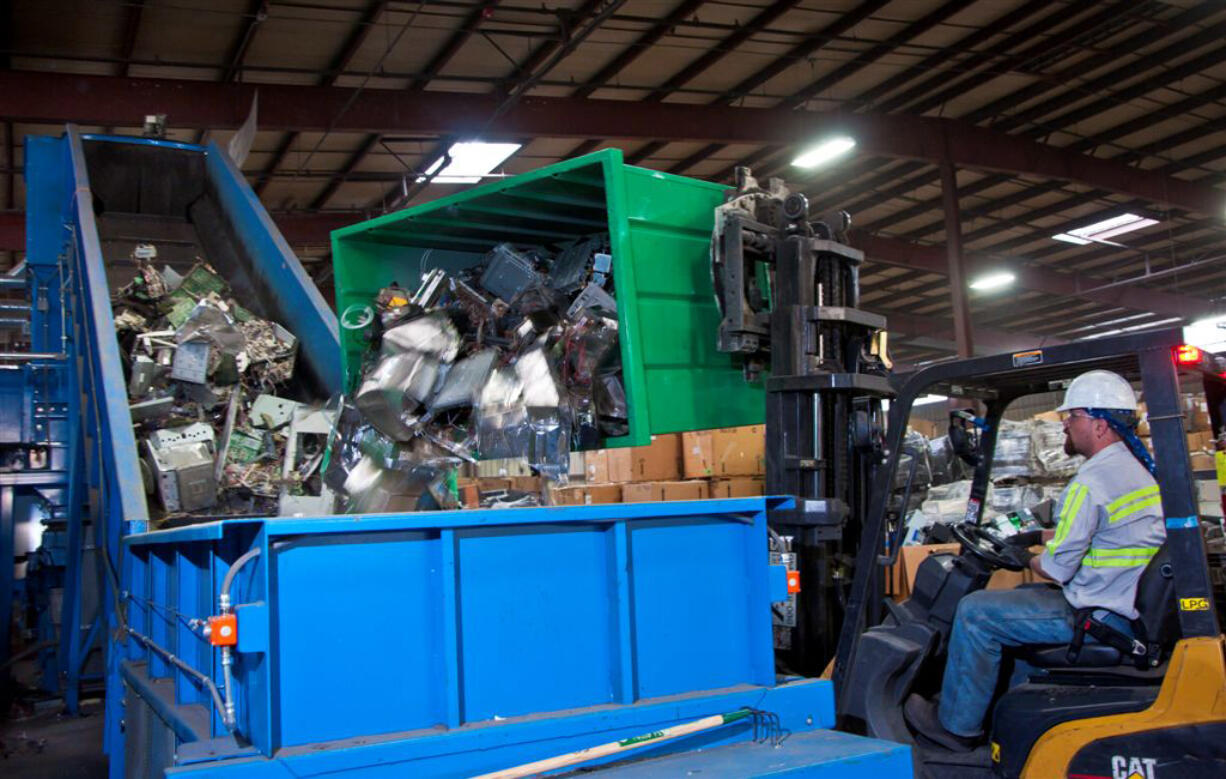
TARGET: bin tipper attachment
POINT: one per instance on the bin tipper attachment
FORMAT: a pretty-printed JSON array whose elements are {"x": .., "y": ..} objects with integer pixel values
[{"x": 787, "y": 286}]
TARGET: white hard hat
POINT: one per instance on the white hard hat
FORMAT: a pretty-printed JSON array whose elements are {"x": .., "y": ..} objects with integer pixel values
[{"x": 1099, "y": 389}]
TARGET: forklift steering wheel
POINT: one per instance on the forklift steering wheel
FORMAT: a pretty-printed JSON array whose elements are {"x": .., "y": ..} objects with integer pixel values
[{"x": 987, "y": 546}]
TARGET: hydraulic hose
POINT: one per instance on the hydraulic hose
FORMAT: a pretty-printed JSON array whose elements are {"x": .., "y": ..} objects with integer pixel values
[
  {"x": 230, "y": 710},
  {"x": 223, "y": 599}
]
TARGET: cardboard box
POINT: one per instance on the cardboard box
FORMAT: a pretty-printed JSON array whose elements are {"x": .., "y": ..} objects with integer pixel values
[
  {"x": 1007, "y": 580},
  {"x": 1202, "y": 441},
  {"x": 661, "y": 461},
  {"x": 526, "y": 483},
  {"x": 587, "y": 495},
  {"x": 738, "y": 487},
  {"x": 621, "y": 464},
  {"x": 1202, "y": 461},
  {"x": 650, "y": 491},
  {"x": 470, "y": 493},
  {"x": 493, "y": 483},
  {"x": 596, "y": 466},
  {"x": 730, "y": 451},
  {"x": 910, "y": 557},
  {"x": 927, "y": 428},
  {"x": 685, "y": 490}
]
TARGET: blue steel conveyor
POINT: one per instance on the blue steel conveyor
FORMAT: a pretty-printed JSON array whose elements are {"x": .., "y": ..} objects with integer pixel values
[{"x": 414, "y": 644}]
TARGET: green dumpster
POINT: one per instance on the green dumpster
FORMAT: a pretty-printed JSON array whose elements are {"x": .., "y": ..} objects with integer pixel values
[{"x": 660, "y": 230}]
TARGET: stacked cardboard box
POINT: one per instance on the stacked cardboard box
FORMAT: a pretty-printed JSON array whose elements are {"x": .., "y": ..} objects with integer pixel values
[
  {"x": 726, "y": 463},
  {"x": 730, "y": 451}
]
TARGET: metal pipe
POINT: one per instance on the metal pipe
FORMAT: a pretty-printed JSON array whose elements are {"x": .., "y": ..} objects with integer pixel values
[
  {"x": 31, "y": 356},
  {"x": 230, "y": 709},
  {"x": 187, "y": 669},
  {"x": 223, "y": 600}
]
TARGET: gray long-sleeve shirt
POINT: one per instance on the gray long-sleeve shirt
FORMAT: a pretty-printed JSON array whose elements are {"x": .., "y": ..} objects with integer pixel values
[{"x": 1110, "y": 526}]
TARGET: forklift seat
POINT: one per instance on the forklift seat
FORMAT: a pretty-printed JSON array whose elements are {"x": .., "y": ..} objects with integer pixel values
[{"x": 1156, "y": 626}]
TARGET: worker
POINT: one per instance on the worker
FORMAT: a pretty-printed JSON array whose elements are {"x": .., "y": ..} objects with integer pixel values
[{"x": 1110, "y": 525}]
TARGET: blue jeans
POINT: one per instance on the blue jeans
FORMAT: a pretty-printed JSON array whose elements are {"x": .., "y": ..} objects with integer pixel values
[{"x": 988, "y": 621}]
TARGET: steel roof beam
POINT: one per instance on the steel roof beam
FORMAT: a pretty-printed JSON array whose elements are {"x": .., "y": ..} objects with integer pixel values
[{"x": 57, "y": 97}]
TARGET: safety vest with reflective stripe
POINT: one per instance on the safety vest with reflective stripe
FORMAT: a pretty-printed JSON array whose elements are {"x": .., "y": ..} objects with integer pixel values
[{"x": 1109, "y": 527}]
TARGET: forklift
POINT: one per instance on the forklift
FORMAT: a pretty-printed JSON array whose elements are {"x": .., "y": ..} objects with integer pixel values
[{"x": 1155, "y": 705}]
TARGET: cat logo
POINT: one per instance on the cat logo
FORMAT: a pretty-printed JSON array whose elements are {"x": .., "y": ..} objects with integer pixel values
[
  {"x": 1193, "y": 604},
  {"x": 1132, "y": 767},
  {"x": 995, "y": 752}
]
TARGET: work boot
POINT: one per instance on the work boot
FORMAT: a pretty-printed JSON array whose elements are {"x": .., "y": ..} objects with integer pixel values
[{"x": 921, "y": 715}]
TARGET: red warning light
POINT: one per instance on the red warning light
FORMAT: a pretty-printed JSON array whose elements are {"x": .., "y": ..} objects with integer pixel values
[{"x": 1187, "y": 354}]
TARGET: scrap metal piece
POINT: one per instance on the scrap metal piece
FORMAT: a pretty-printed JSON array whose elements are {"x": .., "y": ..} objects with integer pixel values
[
  {"x": 592, "y": 296},
  {"x": 508, "y": 273},
  {"x": 144, "y": 371},
  {"x": 309, "y": 430},
  {"x": 432, "y": 334},
  {"x": 271, "y": 413},
  {"x": 182, "y": 464},
  {"x": 463, "y": 383},
  {"x": 394, "y": 390},
  {"x": 373, "y": 489},
  {"x": 430, "y": 290},
  {"x": 191, "y": 362},
  {"x": 151, "y": 409}
]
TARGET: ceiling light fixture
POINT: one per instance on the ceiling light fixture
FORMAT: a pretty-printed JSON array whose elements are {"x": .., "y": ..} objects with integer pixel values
[
  {"x": 470, "y": 161},
  {"x": 1099, "y": 232},
  {"x": 993, "y": 281},
  {"x": 824, "y": 152}
]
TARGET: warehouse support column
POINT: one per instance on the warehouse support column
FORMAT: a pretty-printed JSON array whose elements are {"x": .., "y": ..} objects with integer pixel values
[
  {"x": 7, "y": 551},
  {"x": 957, "y": 264}
]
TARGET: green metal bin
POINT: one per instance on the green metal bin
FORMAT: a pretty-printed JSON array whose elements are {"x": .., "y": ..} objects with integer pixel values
[{"x": 660, "y": 230}]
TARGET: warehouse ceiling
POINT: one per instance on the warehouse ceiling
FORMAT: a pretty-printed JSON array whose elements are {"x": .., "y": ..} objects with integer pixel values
[{"x": 1052, "y": 115}]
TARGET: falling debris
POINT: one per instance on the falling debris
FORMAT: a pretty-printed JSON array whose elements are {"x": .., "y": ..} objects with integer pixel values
[{"x": 515, "y": 357}]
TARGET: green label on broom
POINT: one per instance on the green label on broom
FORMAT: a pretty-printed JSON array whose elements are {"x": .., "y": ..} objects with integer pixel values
[{"x": 640, "y": 739}]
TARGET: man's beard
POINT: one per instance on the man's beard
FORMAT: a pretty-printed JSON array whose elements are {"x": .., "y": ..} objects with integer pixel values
[{"x": 1069, "y": 449}]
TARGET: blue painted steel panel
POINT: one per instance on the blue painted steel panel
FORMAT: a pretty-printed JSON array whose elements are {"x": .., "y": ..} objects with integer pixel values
[
  {"x": 324, "y": 591},
  {"x": 570, "y": 598},
  {"x": 695, "y": 646},
  {"x": 295, "y": 298},
  {"x": 484, "y": 614}
]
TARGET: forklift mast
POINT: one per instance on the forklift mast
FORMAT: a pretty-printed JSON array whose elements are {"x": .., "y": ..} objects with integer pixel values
[{"x": 788, "y": 289}]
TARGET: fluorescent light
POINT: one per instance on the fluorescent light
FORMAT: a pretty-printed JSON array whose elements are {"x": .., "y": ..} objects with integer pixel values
[
  {"x": 824, "y": 152},
  {"x": 1071, "y": 239},
  {"x": 470, "y": 160},
  {"x": 993, "y": 281},
  {"x": 1099, "y": 232},
  {"x": 928, "y": 400},
  {"x": 1209, "y": 334}
]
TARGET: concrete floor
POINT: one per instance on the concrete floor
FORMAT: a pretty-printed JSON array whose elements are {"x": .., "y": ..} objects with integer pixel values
[
  {"x": 54, "y": 746},
  {"x": 37, "y": 741}
]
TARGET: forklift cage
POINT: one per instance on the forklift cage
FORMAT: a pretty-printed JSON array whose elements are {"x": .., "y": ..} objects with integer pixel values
[{"x": 1000, "y": 379}]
